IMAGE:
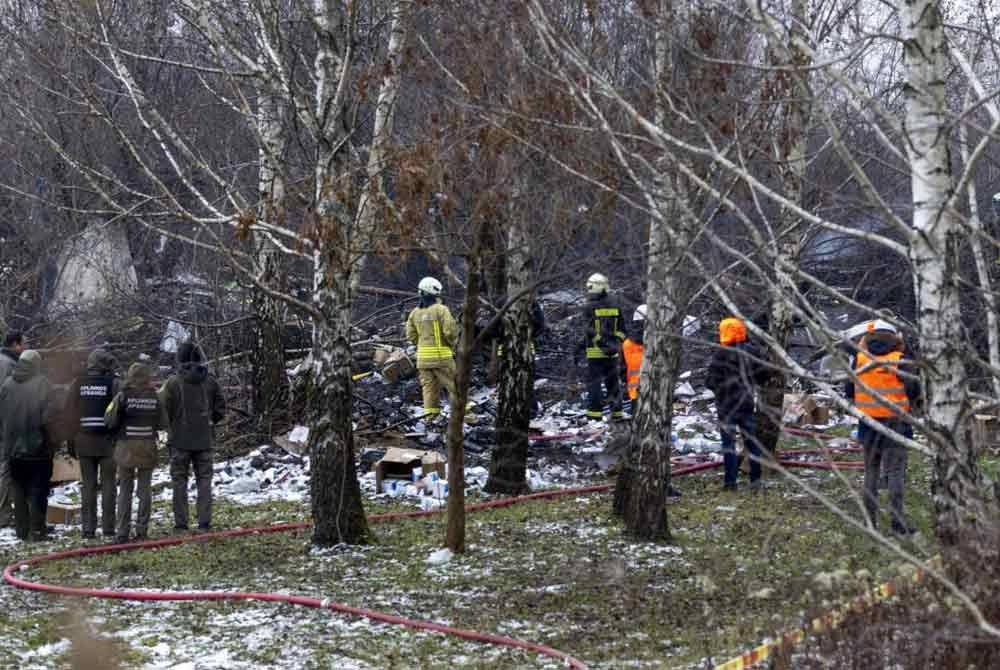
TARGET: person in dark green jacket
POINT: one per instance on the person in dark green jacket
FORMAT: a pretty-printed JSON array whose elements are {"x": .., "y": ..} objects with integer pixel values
[
  {"x": 26, "y": 407},
  {"x": 134, "y": 416},
  {"x": 193, "y": 403},
  {"x": 13, "y": 345}
]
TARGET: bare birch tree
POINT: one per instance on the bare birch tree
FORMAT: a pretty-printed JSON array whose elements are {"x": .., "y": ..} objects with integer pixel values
[{"x": 248, "y": 61}]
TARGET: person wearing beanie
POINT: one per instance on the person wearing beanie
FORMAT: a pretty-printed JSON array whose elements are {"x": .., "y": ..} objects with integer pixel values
[
  {"x": 134, "y": 416},
  {"x": 732, "y": 375},
  {"x": 193, "y": 403},
  {"x": 88, "y": 399},
  {"x": 26, "y": 408}
]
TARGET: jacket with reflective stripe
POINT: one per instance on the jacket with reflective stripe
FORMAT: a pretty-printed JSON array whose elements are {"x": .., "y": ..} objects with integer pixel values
[
  {"x": 434, "y": 331},
  {"x": 604, "y": 333},
  {"x": 141, "y": 415},
  {"x": 881, "y": 380},
  {"x": 632, "y": 351},
  {"x": 95, "y": 395}
]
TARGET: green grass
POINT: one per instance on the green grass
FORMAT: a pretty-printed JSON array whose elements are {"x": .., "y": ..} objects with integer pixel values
[{"x": 739, "y": 569}]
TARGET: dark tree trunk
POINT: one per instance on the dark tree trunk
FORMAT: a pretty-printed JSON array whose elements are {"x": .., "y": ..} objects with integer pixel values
[
  {"x": 338, "y": 515},
  {"x": 770, "y": 406},
  {"x": 455, "y": 533}
]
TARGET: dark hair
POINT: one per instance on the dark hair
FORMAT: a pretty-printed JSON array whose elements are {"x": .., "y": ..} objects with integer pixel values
[{"x": 13, "y": 338}]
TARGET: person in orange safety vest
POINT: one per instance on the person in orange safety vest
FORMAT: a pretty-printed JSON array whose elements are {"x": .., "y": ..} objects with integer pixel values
[
  {"x": 632, "y": 350},
  {"x": 884, "y": 390}
]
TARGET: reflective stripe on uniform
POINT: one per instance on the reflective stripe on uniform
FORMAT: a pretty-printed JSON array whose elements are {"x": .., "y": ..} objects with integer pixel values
[
  {"x": 436, "y": 352},
  {"x": 595, "y": 350},
  {"x": 880, "y": 392}
]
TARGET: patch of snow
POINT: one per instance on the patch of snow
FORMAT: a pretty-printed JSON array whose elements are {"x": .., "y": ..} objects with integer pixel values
[{"x": 439, "y": 557}]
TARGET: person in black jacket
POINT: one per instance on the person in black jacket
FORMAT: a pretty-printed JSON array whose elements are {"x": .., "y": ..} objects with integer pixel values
[
  {"x": 88, "y": 399},
  {"x": 193, "y": 404},
  {"x": 603, "y": 325},
  {"x": 732, "y": 375}
]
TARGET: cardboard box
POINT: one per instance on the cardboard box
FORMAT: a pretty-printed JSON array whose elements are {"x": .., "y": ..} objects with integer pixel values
[
  {"x": 62, "y": 514},
  {"x": 398, "y": 366},
  {"x": 399, "y": 463},
  {"x": 381, "y": 354},
  {"x": 800, "y": 409},
  {"x": 65, "y": 469}
]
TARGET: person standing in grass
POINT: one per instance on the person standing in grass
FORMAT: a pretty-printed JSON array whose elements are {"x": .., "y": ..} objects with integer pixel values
[
  {"x": 26, "y": 408},
  {"x": 89, "y": 397},
  {"x": 13, "y": 345},
  {"x": 884, "y": 389},
  {"x": 135, "y": 415},
  {"x": 193, "y": 402},
  {"x": 732, "y": 375}
]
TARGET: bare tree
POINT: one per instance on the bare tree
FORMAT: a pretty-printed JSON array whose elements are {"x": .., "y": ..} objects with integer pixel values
[{"x": 305, "y": 127}]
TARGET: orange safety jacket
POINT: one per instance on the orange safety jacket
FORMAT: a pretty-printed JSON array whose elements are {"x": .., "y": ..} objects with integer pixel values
[
  {"x": 882, "y": 380},
  {"x": 633, "y": 364}
]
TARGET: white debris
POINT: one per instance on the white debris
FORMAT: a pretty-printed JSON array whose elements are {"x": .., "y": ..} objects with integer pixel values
[
  {"x": 439, "y": 557},
  {"x": 173, "y": 336},
  {"x": 692, "y": 325},
  {"x": 299, "y": 434},
  {"x": 685, "y": 390}
]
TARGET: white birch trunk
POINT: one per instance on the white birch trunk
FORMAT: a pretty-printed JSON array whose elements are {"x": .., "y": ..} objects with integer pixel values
[
  {"x": 792, "y": 94},
  {"x": 933, "y": 253},
  {"x": 508, "y": 467},
  {"x": 641, "y": 494},
  {"x": 269, "y": 380},
  {"x": 374, "y": 194},
  {"x": 338, "y": 515}
]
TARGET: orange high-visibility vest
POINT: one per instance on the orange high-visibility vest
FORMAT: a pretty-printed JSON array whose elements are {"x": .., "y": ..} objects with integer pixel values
[
  {"x": 881, "y": 380},
  {"x": 633, "y": 363}
]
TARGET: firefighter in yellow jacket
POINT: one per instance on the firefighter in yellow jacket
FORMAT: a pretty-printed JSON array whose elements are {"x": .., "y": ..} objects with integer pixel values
[{"x": 433, "y": 329}]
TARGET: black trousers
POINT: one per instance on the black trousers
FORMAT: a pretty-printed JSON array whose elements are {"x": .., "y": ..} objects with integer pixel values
[
  {"x": 30, "y": 479},
  {"x": 603, "y": 373}
]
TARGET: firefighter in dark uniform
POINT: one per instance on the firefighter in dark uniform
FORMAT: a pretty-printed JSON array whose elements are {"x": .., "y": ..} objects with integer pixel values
[
  {"x": 603, "y": 327},
  {"x": 89, "y": 397}
]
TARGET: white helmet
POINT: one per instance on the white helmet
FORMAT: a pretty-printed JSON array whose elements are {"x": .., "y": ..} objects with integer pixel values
[
  {"x": 640, "y": 313},
  {"x": 429, "y": 286},
  {"x": 597, "y": 283}
]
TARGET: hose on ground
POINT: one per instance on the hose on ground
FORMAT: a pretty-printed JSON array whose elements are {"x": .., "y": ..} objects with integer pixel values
[{"x": 11, "y": 571}]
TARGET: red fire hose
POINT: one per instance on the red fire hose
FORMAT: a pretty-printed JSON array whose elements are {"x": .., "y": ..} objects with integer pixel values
[{"x": 9, "y": 573}]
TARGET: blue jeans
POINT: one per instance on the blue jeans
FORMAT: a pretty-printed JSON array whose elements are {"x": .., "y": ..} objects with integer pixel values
[{"x": 742, "y": 423}]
